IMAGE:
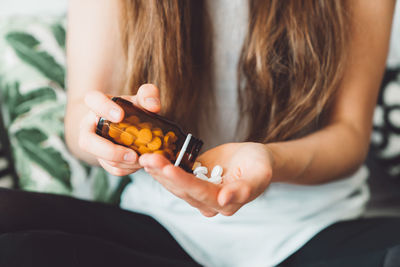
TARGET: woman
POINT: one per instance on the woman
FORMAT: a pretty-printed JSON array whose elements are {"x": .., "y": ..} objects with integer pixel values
[{"x": 309, "y": 73}]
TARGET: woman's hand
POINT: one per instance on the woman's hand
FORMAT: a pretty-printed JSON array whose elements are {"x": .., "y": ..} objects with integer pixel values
[
  {"x": 116, "y": 159},
  {"x": 247, "y": 173}
]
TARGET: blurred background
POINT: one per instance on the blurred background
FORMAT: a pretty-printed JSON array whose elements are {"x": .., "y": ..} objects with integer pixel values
[{"x": 33, "y": 155}]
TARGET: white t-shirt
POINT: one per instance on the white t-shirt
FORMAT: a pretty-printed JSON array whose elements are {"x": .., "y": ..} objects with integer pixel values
[
  {"x": 229, "y": 19},
  {"x": 277, "y": 223}
]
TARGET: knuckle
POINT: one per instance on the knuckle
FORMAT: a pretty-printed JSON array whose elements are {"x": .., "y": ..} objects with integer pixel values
[
  {"x": 115, "y": 154},
  {"x": 227, "y": 212},
  {"x": 118, "y": 172},
  {"x": 208, "y": 213},
  {"x": 112, "y": 163}
]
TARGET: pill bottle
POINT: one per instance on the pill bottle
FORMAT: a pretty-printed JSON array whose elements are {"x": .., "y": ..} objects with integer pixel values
[{"x": 147, "y": 132}]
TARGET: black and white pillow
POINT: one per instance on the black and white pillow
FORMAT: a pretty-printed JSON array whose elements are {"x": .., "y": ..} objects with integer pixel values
[{"x": 385, "y": 141}]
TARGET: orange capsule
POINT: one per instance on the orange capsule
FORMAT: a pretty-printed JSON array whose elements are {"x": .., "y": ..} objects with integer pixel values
[
  {"x": 143, "y": 149},
  {"x": 158, "y": 132},
  {"x": 172, "y": 135},
  {"x": 114, "y": 131},
  {"x": 126, "y": 138},
  {"x": 167, "y": 141},
  {"x": 155, "y": 144},
  {"x": 132, "y": 130},
  {"x": 123, "y": 125},
  {"x": 145, "y": 135},
  {"x": 139, "y": 142}
]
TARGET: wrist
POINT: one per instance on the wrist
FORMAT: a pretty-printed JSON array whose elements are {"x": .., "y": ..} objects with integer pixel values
[{"x": 277, "y": 161}]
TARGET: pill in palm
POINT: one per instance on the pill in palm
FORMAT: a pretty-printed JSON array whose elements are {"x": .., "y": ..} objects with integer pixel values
[
  {"x": 202, "y": 176},
  {"x": 215, "y": 179},
  {"x": 216, "y": 171},
  {"x": 200, "y": 169}
]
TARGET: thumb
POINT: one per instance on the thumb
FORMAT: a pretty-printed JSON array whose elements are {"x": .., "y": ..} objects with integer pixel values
[
  {"x": 234, "y": 192},
  {"x": 148, "y": 97}
]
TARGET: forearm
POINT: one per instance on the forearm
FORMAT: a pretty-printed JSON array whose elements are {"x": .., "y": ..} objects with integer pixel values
[
  {"x": 337, "y": 150},
  {"x": 95, "y": 62},
  {"x": 328, "y": 154}
]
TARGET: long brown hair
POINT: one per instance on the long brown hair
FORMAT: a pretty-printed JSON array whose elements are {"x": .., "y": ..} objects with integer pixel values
[{"x": 290, "y": 66}]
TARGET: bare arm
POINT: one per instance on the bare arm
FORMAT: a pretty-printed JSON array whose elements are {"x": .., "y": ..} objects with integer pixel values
[
  {"x": 95, "y": 60},
  {"x": 96, "y": 69}
]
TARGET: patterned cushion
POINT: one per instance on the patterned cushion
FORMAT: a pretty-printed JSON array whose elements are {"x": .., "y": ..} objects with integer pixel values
[
  {"x": 384, "y": 157},
  {"x": 385, "y": 143},
  {"x": 33, "y": 98}
]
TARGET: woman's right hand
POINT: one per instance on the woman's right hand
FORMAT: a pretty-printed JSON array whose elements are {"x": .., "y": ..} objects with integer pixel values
[{"x": 115, "y": 159}]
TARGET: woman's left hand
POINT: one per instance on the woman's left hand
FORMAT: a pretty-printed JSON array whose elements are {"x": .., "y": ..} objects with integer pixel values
[{"x": 247, "y": 173}]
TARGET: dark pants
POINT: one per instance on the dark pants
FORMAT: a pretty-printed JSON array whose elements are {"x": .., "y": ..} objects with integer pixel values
[{"x": 50, "y": 230}]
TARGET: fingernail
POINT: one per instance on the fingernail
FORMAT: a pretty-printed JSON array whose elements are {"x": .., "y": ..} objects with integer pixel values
[
  {"x": 130, "y": 157},
  {"x": 114, "y": 113},
  {"x": 152, "y": 101}
]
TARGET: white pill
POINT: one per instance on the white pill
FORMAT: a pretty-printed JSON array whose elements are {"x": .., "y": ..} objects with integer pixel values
[
  {"x": 202, "y": 176},
  {"x": 216, "y": 171},
  {"x": 200, "y": 169},
  {"x": 215, "y": 179},
  {"x": 195, "y": 165}
]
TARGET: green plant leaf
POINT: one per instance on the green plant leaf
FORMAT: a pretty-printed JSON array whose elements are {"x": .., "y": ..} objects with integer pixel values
[
  {"x": 12, "y": 98},
  {"x": 24, "y": 38},
  {"x": 59, "y": 33},
  {"x": 25, "y": 46},
  {"x": 100, "y": 185},
  {"x": 34, "y": 98},
  {"x": 47, "y": 157}
]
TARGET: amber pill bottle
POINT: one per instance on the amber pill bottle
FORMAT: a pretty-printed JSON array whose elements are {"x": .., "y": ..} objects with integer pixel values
[{"x": 147, "y": 132}]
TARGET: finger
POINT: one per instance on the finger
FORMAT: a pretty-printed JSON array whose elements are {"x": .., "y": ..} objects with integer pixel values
[
  {"x": 101, "y": 147},
  {"x": 234, "y": 192},
  {"x": 230, "y": 209},
  {"x": 153, "y": 161},
  {"x": 181, "y": 193},
  {"x": 154, "y": 164},
  {"x": 116, "y": 171},
  {"x": 103, "y": 106},
  {"x": 208, "y": 213},
  {"x": 176, "y": 178},
  {"x": 123, "y": 165},
  {"x": 148, "y": 97},
  {"x": 202, "y": 191}
]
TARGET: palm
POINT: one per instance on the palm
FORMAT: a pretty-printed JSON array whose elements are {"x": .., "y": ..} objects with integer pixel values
[
  {"x": 247, "y": 173},
  {"x": 239, "y": 160},
  {"x": 249, "y": 162}
]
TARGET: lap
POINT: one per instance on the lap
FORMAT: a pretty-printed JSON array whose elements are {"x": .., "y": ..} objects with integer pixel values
[
  {"x": 26, "y": 211},
  {"x": 110, "y": 233},
  {"x": 52, "y": 248},
  {"x": 362, "y": 242}
]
